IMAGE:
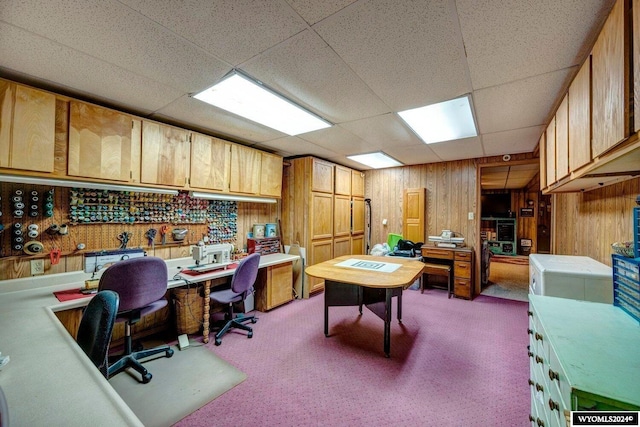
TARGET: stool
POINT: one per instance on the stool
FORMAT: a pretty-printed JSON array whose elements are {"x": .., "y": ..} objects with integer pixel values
[{"x": 438, "y": 270}]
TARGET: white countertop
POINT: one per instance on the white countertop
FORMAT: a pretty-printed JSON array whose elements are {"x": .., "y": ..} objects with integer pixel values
[{"x": 49, "y": 380}]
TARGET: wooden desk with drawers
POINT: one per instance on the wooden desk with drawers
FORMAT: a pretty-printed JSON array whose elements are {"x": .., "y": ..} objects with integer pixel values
[{"x": 461, "y": 260}]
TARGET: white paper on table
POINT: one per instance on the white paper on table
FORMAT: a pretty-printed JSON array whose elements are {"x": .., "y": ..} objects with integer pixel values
[{"x": 385, "y": 267}]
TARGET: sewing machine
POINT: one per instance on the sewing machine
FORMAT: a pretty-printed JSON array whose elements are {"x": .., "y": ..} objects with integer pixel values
[
  {"x": 447, "y": 240},
  {"x": 211, "y": 257}
]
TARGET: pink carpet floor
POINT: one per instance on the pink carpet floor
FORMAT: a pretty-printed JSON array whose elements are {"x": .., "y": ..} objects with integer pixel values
[{"x": 453, "y": 363}]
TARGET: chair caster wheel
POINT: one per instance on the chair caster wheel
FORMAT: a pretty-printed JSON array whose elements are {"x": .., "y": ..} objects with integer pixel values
[
  {"x": 169, "y": 353},
  {"x": 254, "y": 320},
  {"x": 218, "y": 342},
  {"x": 146, "y": 378},
  {"x": 250, "y": 335}
]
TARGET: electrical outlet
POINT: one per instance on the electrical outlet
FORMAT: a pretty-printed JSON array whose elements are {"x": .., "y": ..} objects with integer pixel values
[{"x": 37, "y": 267}]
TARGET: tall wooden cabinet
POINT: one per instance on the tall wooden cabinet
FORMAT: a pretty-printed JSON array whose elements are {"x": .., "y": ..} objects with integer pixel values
[{"x": 320, "y": 213}]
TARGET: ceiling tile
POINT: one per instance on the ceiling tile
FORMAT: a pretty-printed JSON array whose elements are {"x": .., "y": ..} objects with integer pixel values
[
  {"x": 314, "y": 11},
  {"x": 307, "y": 71},
  {"x": 339, "y": 140},
  {"x": 524, "y": 103},
  {"x": 522, "y": 140},
  {"x": 414, "y": 154},
  {"x": 385, "y": 130},
  {"x": 467, "y": 148},
  {"x": 297, "y": 147},
  {"x": 408, "y": 53},
  {"x": 526, "y": 38},
  {"x": 233, "y": 30},
  {"x": 80, "y": 74}
]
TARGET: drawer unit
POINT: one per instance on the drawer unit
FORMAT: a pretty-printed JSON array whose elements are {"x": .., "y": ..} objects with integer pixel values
[
  {"x": 437, "y": 253},
  {"x": 626, "y": 285},
  {"x": 583, "y": 356},
  {"x": 463, "y": 273}
]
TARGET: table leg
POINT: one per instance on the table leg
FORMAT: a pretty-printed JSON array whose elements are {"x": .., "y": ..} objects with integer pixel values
[
  {"x": 326, "y": 315},
  {"x": 387, "y": 322},
  {"x": 205, "y": 317},
  {"x": 399, "y": 295}
]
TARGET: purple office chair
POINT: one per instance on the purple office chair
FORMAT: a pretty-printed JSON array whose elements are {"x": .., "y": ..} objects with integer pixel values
[
  {"x": 241, "y": 287},
  {"x": 141, "y": 284},
  {"x": 96, "y": 327}
]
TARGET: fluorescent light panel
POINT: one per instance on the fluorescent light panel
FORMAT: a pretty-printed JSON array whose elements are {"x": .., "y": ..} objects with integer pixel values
[
  {"x": 444, "y": 121},
  {"x": 230, "y": 197},
  {"x": 244, "y": 97},
  {"x": 82, "y": 184},
  {"x": 377, "y": 160}
]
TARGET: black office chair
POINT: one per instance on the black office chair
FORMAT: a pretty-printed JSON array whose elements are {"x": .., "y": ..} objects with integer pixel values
[
  {"x": 241, "y": 287},
  {"x": 141, "y": 284},
  {"x": 96, "y": 327}
]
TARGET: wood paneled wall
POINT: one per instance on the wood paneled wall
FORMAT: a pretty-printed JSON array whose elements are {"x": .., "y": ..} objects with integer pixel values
[
  {"x": 451, "y": 195},
  {"x": 588, "y": 223},
  {"x": 16, "y": 264}
]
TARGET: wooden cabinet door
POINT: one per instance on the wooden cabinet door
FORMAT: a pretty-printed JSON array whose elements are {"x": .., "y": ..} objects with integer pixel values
[
  {"x": 210, "y": 159},
  {"x": 321, "y": 176},
  {"x": 542, "y": 144},
  {"x": 99, "y": 142},
  {"x": 271, "y": 175},
  {"x": 321, "y": 216},
  {"x": 357, "y": 215},
  {"x": 357, "y": 245},
  {"x": 279, "y": 284},
  {"x": 551, "y": 151},
  {"x": 580, "y": 118},
  {"x": 320, "y": 251},
  {"x": 342, "y": 180},
  {"x": 341, "y": 216},
  {"x": 245, "y": 170},
  {"x": 341, "y": 246},
  {"x": 27, "y": 128},
  {"x": 413, "y": 214},
  {"x": 357, "y": 183},
  {"x": 562, "y": 139},
  {"x": 165, "y": 155},
  {"x": 610, "y": 83}
]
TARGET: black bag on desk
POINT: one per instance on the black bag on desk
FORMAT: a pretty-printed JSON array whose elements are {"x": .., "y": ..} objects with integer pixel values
[{"x": 406, "y": 248}]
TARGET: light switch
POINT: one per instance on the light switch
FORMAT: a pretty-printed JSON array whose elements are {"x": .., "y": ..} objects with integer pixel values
[{"x": 471, "y": 216}]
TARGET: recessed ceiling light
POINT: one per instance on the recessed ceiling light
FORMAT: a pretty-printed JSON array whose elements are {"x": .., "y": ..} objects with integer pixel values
[
  {"x": 377, "y": 160},
  {"x": 443, "y": 121},
  {"x": 245, "y": 97}
]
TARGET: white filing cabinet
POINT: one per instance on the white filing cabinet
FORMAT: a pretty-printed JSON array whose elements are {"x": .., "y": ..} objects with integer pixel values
[
  {"x": 567, "y": 276},
  {"x": 582, "y": 356}
]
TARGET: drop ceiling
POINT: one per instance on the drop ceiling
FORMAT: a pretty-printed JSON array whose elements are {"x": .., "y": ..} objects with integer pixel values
[
  {"x": 354, "y": 63},
  {"x": 508, "y": 177}
]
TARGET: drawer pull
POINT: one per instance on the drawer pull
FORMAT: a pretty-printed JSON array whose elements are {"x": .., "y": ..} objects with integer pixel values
[
  {"x": 530, "y": 313},
  {"x": 538, "y": 337},
  {"x": 531, "y": 381},
  {"x": 539, "y": 359},
  {"x": 554, "y": 406},
  {"x": 530, "y": 331},
  {"x": 531, "y": 419},
  {"x": 539, "y": 422},
  {"x": 553, "y": 375},
  {"x": 539, "y": 387},
  {"x": 530, "y": 354}
]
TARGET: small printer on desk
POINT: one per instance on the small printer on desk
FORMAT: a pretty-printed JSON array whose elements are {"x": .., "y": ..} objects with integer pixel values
[{"x": 447, "y": 240}]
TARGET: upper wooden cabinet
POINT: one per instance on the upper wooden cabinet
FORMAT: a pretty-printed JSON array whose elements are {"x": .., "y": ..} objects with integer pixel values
[
  {"x": 321, "y": 176},
  {"x": 550, "y": 141},
  {"x": 27, "y": 128},
  {"x": 99, "y": 142},
  {"x": 562, "y": 139},
  {"x": 580, "y": 118},
  {"x": 245, "y": 170},
  {"x": 342, "y": 180},
  {"x": 271, "y": 175},
  {"x": 357, "y": 184},
  {"x": 610, "y": 80},
  {"x": 165, "y": 155},
  {"x": 542, "y": 145},
  {"x": 357, "y": 215},
  {"x": 210, "y": 162}
]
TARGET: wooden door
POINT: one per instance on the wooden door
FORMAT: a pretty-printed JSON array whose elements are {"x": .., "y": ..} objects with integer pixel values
[
  {"x": 279, "y": 284},
  {"x": 210, "y": 159},
  {"x": 341, "y": 246},
  {"x": 357, "y": 215},
  {"x": 562, "y": 139},
  {"x": 413, "y": 214},
  {"x": 550, "y": 151},
  {"x": 580, "y": 118},
  {"x": 342, "y": 180},
  {"x": 542, "y": 144},
  {"x": 321, "y": 176},
  {"x": 341, "y": 215},
  {"x": 271, "y": 175},
  {"x": 357, "y": 184},
  {"x": 99, "y": 142},
  {"x": 165, "y": 155},
  {"x": 321, "y": 216},
  {"x": 27, "y": 128},
  {"x": 245, "y": 170},
  {"x": 357, "y": 244},
  {"x": 320, "y": 251}
]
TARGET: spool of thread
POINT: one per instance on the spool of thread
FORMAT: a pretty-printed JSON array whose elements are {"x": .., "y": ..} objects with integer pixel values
[
  {"x": 64, "y": 229},
  {"x": 33, "y": 234},
  {"x": 258, "y": 231},
  {"x": 53, "y": 229}
]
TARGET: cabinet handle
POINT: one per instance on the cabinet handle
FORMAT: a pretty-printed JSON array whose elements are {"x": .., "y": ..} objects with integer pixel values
[
  {"x": 530, "y": 313},
  {"x": 539, "y": 359},
  {"x": 538, "y": 337},
  {"x": 531, "y": 419},
  {"x": 530, "y": 354},
  {"x": 553, "y": 375},
  {"x": 539, "y": 422},
  {"x": 554, "y": 406},
  {"x": 539, "y": 387},
  {"x": 531, "y": 381},
  {"x": 529, "y": 331}
]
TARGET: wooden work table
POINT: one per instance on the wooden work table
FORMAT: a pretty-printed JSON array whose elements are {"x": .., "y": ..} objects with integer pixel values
[
  {"x": 461, "y": 260},
  {"x": 366, "y": 285}
]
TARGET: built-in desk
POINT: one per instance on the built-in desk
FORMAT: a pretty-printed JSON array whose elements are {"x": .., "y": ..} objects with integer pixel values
[{"x": 460, "y": 260}]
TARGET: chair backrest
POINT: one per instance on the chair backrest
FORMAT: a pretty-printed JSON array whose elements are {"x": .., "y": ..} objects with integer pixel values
[
  {"x": 245, "y": 275},
  {"x": 138, "y": 281},
  {"x": 96, "y": 327}
]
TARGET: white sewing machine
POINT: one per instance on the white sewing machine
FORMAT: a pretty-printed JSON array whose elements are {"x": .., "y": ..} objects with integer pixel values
[
  {"x": 446, "y": 240},
  {"x": 211, "y": 257}
]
